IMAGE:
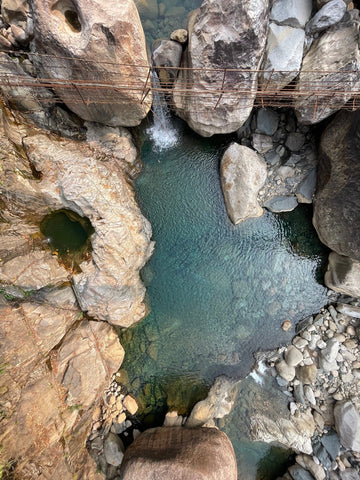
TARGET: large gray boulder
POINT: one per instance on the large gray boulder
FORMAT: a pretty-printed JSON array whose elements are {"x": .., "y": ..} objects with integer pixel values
[
  {"x": 243, "y": 172},
  {"x": 343, "y": 275},
  {"x": 223, "y": 34},
  {"x": 291, "y": 12},
  {"x": 332, "y": 63},
  {"x": 98, "y": 56},
  {"x": 283, "y": 56},
  {"x": 337, "y": 200},
  {"x": 347, "y": 424},
  {"x": 180, "y": 453},
  {"x": 330, "y": 14}
]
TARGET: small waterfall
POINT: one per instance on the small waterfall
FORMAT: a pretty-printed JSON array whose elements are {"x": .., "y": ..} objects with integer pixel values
[{"x": 163, "y": 133}]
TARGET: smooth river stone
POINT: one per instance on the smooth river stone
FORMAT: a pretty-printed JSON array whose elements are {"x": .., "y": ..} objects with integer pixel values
[{"x": 243, "y": 173}]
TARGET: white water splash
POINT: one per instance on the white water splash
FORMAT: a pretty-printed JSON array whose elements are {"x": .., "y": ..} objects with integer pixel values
[
  {"x": 163, "y": 133},
  {"x": 258, "y": 374}
]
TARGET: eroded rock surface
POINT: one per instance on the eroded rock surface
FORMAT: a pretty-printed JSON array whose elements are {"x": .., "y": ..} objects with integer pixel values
[
  {"x": 222, "y": 34},
  {"x": 90, "y": 180},
  {"x": 48, "y": 391},
  {"x": 92, "y": 46},
  {"x": 180, "y": 454}
]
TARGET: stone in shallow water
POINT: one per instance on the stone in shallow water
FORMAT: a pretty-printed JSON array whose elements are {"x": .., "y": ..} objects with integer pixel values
[{"x": 281, "y": 204}]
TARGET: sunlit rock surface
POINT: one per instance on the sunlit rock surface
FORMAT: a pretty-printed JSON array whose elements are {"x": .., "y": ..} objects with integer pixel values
[
  {"x": 222, "y": 34},
  {"x": 328, "y": 64},
  {"x": 243, "y": 173},
  {"x": 47, "y": 388},
  {"x": 99, "y": 55},
  {"x": 91, "y": 181}
]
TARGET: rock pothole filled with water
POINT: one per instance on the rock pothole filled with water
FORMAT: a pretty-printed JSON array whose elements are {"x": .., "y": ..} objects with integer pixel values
[{"x": 67, "y": 233}]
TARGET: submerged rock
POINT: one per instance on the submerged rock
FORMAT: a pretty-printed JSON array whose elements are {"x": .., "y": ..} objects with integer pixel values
[
  {"x": 96, "y": 49},
  {"x": 180, "y": 454},
  {"x": 222, "y": 34},
  {"x": 243, "y": 172}
]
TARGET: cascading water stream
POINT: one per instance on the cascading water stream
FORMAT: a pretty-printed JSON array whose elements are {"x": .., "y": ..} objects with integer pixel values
[{"x": 163, "y": 133}]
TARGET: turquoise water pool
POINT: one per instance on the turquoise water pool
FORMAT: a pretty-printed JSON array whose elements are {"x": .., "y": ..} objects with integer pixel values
[{"x": 217, "y": 292}]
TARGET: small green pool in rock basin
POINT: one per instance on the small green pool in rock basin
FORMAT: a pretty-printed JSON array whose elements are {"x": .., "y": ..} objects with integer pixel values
[{"x": 217, "y": 292}]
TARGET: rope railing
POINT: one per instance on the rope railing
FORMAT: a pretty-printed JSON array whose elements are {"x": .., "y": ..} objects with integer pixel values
[{"x": 103, "y": 82}]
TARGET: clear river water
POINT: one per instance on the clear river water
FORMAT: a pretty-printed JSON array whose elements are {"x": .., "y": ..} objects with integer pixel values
[{"x": 217, "y": 292}]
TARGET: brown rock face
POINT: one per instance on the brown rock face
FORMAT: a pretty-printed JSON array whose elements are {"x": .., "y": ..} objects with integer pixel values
[
  {"x": 337, "y": 199},
  {"x": 55, "y": 364},
  {"x": 179, "y": 453},
  {"x": 48, "y": 392},
  {"x": 99, "y": 50},
  {"x": 222, "y": 34}
]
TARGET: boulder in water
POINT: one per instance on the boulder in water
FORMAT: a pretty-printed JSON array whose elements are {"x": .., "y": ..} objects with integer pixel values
[{"x": 243, "y": 172}]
